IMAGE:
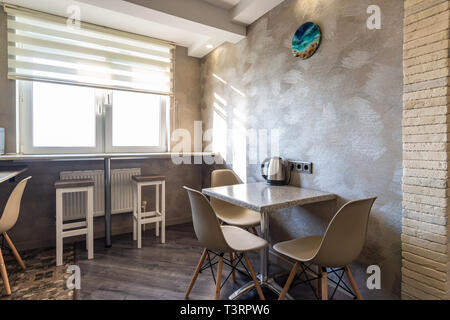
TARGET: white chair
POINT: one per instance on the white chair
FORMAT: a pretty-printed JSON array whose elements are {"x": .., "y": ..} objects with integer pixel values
[
  {"x": 86, "y": 227},
  {"x": 158, "y": 216},
  {"x": 7, "y": 222}
]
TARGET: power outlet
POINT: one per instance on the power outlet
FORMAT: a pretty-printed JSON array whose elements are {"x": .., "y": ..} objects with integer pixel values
[{"x": 302, "y": 167}]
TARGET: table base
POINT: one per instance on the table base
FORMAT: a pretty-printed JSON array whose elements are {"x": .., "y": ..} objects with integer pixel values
[{"x": 268, "y": 284}]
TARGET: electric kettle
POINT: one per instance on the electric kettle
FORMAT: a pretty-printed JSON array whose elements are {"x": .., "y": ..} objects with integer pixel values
[{"x": 273, "y": 170}]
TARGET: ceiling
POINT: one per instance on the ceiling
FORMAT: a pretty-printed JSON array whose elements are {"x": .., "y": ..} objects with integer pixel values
[{"x": 199, "y": 25}]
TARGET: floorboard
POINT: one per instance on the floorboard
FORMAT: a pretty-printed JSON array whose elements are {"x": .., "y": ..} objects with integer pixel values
[{"x": 158, "y": 271}]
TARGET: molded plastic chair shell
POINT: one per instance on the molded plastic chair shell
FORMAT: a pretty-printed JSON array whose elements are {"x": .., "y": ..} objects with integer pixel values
[
  {"x": 216, "y": 237},
  {"x": 342, "y": 243},
  {"x": 227, "y": 212},
  {"x": 12, "y": 208},
  {"x": 206, "y": 225}
]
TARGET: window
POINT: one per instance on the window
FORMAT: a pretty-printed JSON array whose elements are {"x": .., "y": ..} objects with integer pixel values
[
  {"x": 85, "y": 88},
  {"x": 57, "y": 118}
]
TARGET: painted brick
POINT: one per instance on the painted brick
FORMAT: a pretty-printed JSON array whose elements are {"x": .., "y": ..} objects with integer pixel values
[
  {"x": 411, "y": 18},
  {"x": 425, "y": 103},
  {"x": 440, "y": 285},
  {"x": 418, "y": 146},
  {"x": 431, "y": 293},
  {"x": 414, "y": 6},
  {"x": 426, "y": 271},
  {"x": 429, "y": 165},
  {"x": 428, "y": 263},
  {"x": 428, "y": 22},
  {"x": 433, "y": 246},
  {"x": 426, "y": 94},
  {"x": 425, "y": 112},
  {"x": 430, "y": 137},
  {"x": 424, "y": 226},
  {"x": 427, "y": 209},
  {"x": 429, "y": 236},
  {"x": 437, "y": 128},
  {"x": 428, "y": 84},
  {"x": 426, "y": 150},
  {"x": 426, "y": 182},
  {"x": 435, "y": 37},
  {"x": 425, "y": 155},
  {"x": 437, "y": 257},
  {"x": 415, "y": 292}
]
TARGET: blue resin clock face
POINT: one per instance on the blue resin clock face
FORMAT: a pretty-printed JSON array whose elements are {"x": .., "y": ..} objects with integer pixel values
[{"x": 306, "y": 40}]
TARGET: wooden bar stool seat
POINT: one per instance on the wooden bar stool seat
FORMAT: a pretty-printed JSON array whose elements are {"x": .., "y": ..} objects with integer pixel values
[
  {"x": 140, "y": 216},
  {"x": 71, "y": 229}
]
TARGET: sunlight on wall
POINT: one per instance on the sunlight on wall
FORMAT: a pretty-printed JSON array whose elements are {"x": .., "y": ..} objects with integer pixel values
[
  {"x": 220, "y": 126},
  {"x": 239, "y": 137}
]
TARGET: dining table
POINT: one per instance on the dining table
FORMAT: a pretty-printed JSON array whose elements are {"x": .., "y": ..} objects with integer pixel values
[{"x": 266, "y": 200}]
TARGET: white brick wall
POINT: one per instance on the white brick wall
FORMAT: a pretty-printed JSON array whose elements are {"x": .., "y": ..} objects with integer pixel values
[{"x": 426, "y": 150}]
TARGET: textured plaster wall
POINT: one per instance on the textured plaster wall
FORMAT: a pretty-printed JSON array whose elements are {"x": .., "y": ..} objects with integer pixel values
[{"x": 341, "y": 109}]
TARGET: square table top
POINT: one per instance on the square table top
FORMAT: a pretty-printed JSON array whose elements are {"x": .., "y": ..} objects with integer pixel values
[{"x": 261, "y": 197}]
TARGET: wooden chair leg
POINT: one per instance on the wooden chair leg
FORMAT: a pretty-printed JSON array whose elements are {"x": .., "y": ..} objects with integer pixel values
[
  {"x": 255, "y": 232},
  {"x": 324, "y": 282},
  {"x": 4, "y": 274},
  {"x": 353, "y": 283},
  {"x": 219, "y": 278},
  {"x": 255, "y": 279},
  {"x": 319, "y": 282},
  {"x": 197, "y": 271},
  {"x": 289, "y": 281},
  {"x": 14, "y": 250},
  {"x": 233, "y": 264}
]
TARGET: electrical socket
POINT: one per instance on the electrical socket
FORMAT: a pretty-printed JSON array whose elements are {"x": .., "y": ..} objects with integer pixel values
[{"x": 302, "y": 167}]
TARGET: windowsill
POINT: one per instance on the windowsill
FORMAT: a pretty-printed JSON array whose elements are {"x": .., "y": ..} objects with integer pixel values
[{"x": 100, "y": 156}]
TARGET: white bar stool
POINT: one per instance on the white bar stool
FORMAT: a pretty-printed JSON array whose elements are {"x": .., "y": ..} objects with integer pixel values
[
  {"x": 65, "y": 230},
  {"x": 142, "y": 218}
]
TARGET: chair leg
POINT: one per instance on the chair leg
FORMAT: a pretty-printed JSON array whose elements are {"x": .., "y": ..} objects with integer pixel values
[
  {"x": 219, "y": 278},
  {"x": 319, "y": 282},
  {"x": 233, "y": 265},
  {"x": 324, "y": 281},
  {"x": 4, "y": 274},
  {"x": 14, "y": 250},
  {"x": 353, "y": 283},
  {"x": 255, "y": 232},
  {"x": 289, "y": 281},
  {"x": 197, "y": 271},
  {"x": 255, "y": 279}
]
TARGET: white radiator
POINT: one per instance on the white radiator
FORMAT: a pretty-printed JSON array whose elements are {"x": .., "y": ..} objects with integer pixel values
[{"x": 121, "y": 193}]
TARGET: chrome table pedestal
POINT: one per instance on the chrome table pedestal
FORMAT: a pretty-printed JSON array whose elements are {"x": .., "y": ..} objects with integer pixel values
[{"x": 265, "y": 281}]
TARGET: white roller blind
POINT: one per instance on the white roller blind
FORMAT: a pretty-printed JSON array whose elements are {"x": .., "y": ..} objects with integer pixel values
[{"x": 43, "y": 47}]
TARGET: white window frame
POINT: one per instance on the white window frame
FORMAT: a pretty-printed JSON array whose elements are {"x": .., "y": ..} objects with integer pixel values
[{"x": 103, "y": 128}]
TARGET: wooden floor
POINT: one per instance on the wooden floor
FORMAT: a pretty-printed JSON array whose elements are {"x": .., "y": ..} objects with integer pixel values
[{"x": 157, "y": 271}]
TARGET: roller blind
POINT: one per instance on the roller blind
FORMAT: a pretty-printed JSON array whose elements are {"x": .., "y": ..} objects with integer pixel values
[{"x": 44, "y": 47}]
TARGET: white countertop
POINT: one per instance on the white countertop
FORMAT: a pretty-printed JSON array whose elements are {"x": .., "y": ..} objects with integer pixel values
[
  {"x": 264, "y": 198},
  {"x": 99, "y": 156},
  {"x": 8, "y": 173}
]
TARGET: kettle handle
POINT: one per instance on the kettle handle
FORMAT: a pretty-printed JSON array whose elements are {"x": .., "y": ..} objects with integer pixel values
[{"x": 263, "y": 166}]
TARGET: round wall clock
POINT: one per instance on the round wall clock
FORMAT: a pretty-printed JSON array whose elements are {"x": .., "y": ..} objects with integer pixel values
[{"x": 306, "y": 40}]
